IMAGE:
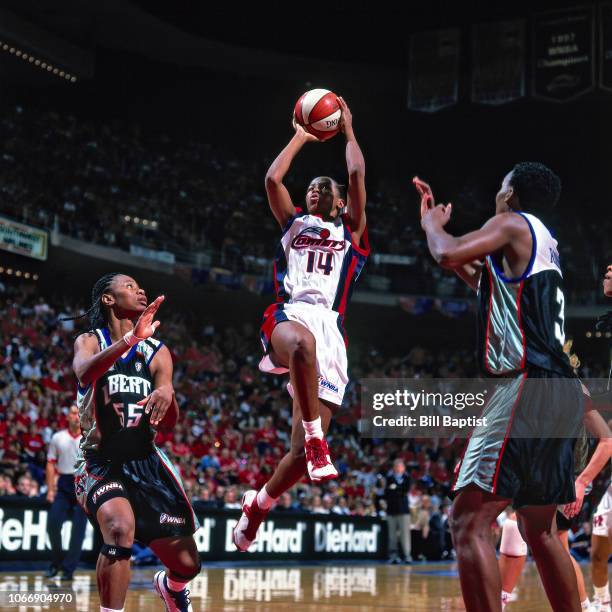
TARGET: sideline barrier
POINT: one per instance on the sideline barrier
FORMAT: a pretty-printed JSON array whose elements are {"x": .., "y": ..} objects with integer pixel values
[{"x": 284, "y": 536}]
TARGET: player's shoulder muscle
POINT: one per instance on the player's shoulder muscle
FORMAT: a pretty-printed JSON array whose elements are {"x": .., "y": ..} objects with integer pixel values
[
  {"x": 510, "y": 223},
  {"x": 87, "y": 342}
]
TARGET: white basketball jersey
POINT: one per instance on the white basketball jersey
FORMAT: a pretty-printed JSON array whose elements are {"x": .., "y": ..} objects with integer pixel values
[{"x": 317, "y": 262}]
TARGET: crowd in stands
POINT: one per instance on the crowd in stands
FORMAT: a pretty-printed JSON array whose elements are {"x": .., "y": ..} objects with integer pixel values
[
  {"x": 117, "y": 184},
  {"x": 235, "y": 422}
]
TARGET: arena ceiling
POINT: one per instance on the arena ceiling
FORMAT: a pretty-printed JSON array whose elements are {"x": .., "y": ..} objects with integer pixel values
[{"x": 215, "y": 35}]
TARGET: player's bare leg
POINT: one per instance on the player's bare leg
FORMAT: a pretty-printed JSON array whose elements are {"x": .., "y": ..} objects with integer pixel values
[
  {"x": 582, "y": 594},
  {"x": 472, "y": 514},
  {"x": 294, "y": 347},
  {"x": 117, "y": 524},
  {"x": 180, "y": 555},
  {"x": 538, "y": 526},
  {"x": 290, "y": 470},
  {"x": 292, "y": 466},
  {"x": 600, "y": 553},
  {"x": 512, "y": 556},
  {"x": 510, "y": 569}
]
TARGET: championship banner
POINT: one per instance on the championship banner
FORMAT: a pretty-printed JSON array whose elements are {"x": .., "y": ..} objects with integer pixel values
[
  {"x": 434, "y": 70},
  {"x": 23, "y": 239},
  {"x": 605, "y": 46},
  {"x": 563, "y": 54},
  {"x": 498, "y": 60}
]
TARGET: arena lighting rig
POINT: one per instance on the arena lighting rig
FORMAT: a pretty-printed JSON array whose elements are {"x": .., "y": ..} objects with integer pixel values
[
  {"x": 18, "y": 273},
  {"x": 598, "y": 334},
  {"x": 140, "y": 221},
  {"x": 27, "y": 57}
]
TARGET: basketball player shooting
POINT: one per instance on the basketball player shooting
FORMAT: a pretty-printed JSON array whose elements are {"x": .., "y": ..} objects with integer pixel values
[
  {"x": 320, "y": 256},
  {"x": 513, "y": 264}
]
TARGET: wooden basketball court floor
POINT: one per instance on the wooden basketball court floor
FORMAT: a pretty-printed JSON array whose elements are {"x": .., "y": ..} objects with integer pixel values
[{"x": 294, "y": 588}]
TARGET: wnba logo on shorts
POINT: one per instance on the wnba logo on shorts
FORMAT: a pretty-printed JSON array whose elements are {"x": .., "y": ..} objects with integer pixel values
[
  {"x": 105, "y": 488},
  {"x": 327, "y": 385},
  {"x": 166, "y": 519}
]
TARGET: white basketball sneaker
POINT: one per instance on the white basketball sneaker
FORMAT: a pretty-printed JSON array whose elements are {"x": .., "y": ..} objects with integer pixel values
[
  {"x": 318, "y": 460},
  {"x": 245, "y": 531},
  {"x": 173, "y": 600}
]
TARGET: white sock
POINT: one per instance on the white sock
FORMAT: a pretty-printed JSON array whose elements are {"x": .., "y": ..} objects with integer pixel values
[
  {"x": 313, "y": 429},
  {"x": 103, "y": 609},
  {"x": 586, "y": 604},
  {"x": 264, "y": 501},
  {"x": 603, "y": 593},
  {"x": 175, "y": 585}
]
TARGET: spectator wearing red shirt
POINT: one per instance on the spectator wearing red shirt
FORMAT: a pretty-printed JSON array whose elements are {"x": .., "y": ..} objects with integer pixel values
[
  {"x": 228, "y": 461},
  {"x": 32, "y": 441},
  {"x": 198, "y": 447},
  {"x": 178, "y": 446},
  {"x": 266, "y": 435}
]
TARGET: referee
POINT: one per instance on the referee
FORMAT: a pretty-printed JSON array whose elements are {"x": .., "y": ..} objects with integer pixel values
[{"x": 60, "y": 492}]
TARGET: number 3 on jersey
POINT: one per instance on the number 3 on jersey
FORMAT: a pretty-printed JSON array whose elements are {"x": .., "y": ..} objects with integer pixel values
[
  {"x": 560, "y": 324},
  {"x": 322, "y": 266}
]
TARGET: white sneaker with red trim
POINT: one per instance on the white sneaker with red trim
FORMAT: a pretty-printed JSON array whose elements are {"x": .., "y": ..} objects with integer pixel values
[
  {"x": 175, "y": 601},
  {"x": 245, "y": 530},
  {"x": 318, "y": 460}
]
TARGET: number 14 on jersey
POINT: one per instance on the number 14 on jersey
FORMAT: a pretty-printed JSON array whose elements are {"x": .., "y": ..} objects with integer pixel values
[{"x": 324, "y": 262}]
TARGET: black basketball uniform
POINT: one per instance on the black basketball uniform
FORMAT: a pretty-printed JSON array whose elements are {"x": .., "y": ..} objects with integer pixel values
[
  {"x": 117, "y": 456},
  {"x": 525, "y": 452}
]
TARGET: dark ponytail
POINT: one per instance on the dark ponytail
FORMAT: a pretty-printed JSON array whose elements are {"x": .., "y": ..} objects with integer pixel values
[{"x": 96, "y": 314}]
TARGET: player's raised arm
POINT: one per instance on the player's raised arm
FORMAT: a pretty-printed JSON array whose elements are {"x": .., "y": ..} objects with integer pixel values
[
  {"x": 356, "y": 194},
  {"x": 453, "y": 252},
  {"x": 90, "y": 363},
  {"x": 469, "y": 272},
  {"x": 278, "y": 196}
]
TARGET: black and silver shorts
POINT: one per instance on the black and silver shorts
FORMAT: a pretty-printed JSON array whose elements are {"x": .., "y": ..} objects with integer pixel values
[{"x": 151, "y": 484}]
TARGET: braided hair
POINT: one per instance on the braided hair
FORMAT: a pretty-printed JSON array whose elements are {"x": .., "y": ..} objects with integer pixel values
[{"x": 96, "y": 314}]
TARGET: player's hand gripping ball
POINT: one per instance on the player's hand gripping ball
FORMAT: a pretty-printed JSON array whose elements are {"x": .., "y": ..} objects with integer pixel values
[{"x": 318, "y": 112}]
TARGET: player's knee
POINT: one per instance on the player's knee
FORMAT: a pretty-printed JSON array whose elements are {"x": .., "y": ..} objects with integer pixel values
[
  {"x": 118, "y": 530},
  {"x": 187, "y": 570},
  {"x": 467, "y": 526},
  {"x": 303, "y": 347},
  {"x": 598, "y": 555},
  {"x": 512, "y": 542},
  {"x": 537, "y": 537},
  {"x": 460, "y": 523},
  {"x": 116, "y": 553}
]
